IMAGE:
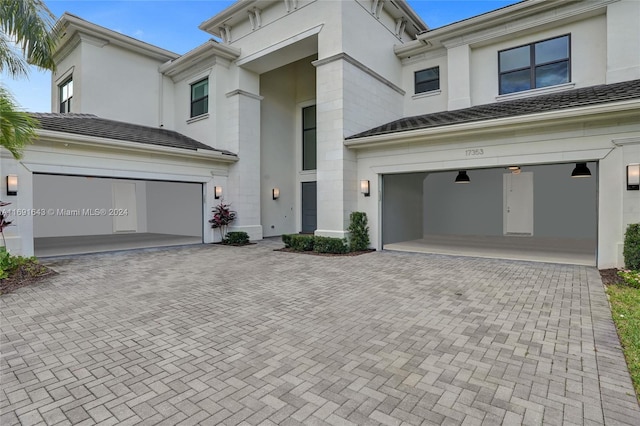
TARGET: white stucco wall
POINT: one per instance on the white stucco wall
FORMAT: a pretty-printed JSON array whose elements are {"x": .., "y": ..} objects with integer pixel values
[
  {"x": 117, "y": 84},
  {"x": 429, "y": 102},
  {"x": 588, "y": 56}
]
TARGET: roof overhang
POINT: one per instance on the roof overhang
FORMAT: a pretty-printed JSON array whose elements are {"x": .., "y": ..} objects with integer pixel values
[
  {"x": 70, "y": 25},
  {"x": 93, "y": 141},
  {"x": 602, "y": 112},
  {"x": 238, "y": 12},
  {"x": 503, "y": 21},
  {"x": 207, "y": 51}
]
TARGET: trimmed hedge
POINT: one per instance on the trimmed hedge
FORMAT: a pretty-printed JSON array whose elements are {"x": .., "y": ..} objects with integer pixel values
[
  {"x": 330, "y": 245},
  {"x": 237, "y": 237},
  {"x": 631, "y": 249},
  {"x": 302, "y": 242},
  {"x": 298, "y": 242}
]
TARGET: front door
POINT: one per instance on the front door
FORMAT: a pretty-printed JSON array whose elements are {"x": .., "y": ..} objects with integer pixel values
[
  {"x": 309, "y": 207},
  {"x": 518, "y": 203}
]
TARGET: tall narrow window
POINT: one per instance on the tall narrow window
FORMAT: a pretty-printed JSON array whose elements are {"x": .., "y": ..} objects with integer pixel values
[
  {"x": 427, "y": 80},
  {"x": 542, "y": 64},
  {"x": 200, "y": 97},
  {"x": 309, "y": 138},
  {"x": 65, "y": 95}
]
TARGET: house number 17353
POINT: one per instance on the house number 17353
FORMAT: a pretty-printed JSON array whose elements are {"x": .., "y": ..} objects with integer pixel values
[{"x": 472, "y": 152}]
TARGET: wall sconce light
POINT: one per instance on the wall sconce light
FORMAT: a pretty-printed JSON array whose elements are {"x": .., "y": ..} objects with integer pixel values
[
  {"x": 633, "y": 177},
  {"x": 364, "y": 188},
  {"x": 515, "y": 170},
  {"x": 581, "y": 170},
  {"x": 462, "y": 177},
  {"x": 217, "y": 192},
  {"x": 12, "y": 184},
  {"x": 275, "y": 193}
]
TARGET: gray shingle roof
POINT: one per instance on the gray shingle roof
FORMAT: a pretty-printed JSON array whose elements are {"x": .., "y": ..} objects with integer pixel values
[
  {"x": 593, "y": 95},
  {"x": 92, "y": 125}
]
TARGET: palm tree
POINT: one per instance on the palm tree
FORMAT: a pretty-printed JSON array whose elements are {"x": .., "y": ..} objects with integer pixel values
[{"x": 27, "y": 36}]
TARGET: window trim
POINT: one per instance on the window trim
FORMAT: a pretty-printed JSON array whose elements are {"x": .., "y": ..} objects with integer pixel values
[
  {"x": 415, "y": 80},
  {"x": 533, "y": 65},
  {"x": 67, "y": 101},
  {"x": 193, "y": 101}
]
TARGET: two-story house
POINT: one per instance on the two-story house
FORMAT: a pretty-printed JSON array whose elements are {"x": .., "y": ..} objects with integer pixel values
[{"x": 517, "y": 130}]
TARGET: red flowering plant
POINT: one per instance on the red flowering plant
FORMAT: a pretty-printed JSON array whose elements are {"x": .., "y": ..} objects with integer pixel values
[
  {"x": 3, "y": 222},
  {"x": 223, "y": 216}
]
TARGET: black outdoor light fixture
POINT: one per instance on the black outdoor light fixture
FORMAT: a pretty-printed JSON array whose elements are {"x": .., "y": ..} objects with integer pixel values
[
  {"x": 462, "y": 177},
  {"x": 581, "y": 170},
  {"x": 275, "y": 193},
  {"x": 12, "y": 184},
  {"x": 633, "y": 177},
  {"x": 364, "y": 188},
  {"x": 217, "y": 192}
]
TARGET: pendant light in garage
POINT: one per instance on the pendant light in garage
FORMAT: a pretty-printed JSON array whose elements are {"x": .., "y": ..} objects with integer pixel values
[
  {"x": 581, "y": 170},
  {"x": 462, "y": 177}
]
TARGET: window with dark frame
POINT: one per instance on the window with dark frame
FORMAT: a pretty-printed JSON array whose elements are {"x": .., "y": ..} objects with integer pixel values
[
  {"x": 309, "y": 138},
  {"x": 427, "y": 80},
  {"x": 541, "y": 64},
  {"x": 65, "y": 91},
  {"x": 200, "y": 97}
]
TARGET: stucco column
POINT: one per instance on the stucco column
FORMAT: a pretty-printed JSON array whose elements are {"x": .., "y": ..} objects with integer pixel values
[
  {"x": 623, "y": 41},
  {"x": 459, "y": 86},
  {"x": 336, "y": 165},
  {"x": 243, "y": 137}
]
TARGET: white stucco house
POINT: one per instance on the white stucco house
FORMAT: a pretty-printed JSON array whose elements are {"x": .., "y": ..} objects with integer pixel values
[{"x": 342, "y": 106}]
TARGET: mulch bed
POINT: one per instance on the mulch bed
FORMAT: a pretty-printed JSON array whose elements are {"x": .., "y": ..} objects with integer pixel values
[
  {"x": 313, "y": 253},
  {"x": 23, "y": 277},
  {"x": 610, "y": 276}
]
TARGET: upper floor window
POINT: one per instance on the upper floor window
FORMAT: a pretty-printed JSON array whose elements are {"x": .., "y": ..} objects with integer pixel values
[
  {"x": 200, "y": 97},
  {"x": 427, "y": 80},
  {"x": 541, "y": 64},
  {"x": 65, "y": 94},
  {"x": 309, "y": 138}
]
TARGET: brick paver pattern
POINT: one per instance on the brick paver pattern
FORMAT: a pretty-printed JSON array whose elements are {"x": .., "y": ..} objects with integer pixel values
[{"x": 225, "y": 335}]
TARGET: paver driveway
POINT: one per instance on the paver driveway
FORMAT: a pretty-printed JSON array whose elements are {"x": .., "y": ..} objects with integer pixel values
[{"x": 223, "y": 335}]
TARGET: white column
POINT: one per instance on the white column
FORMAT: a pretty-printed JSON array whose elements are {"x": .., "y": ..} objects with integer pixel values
[
  {"x": 623, "y": 41},
  {"x": 243, "y": 138},
  {"x": 336, "y": 165},
  {"x": 459, "y": 87}
]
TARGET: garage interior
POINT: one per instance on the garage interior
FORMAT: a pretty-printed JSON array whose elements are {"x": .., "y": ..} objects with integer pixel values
[
  {"x": 536, "y": 213},
  {"x": 94, "y": 214}
]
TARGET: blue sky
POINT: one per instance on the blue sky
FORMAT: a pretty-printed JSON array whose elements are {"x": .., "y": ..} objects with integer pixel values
[{"x": 173, "y": 25}]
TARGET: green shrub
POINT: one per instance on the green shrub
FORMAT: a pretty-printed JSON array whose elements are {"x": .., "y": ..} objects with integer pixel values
[
  {"x": 9, "y": 264},
  {"x": 631, "y": 249},
  {"x": 302, "y": 242},
  {"x": 237, "y": 237},
  {"x": 631, "y": 278},
  {"x": 330, "y": 245},
  {"x": 286, "y": 239},
  {"x": 5, "y": 263},
  {"x": 358, "y": 232}
]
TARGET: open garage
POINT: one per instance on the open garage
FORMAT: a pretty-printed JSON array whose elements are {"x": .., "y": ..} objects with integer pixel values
[
  {"x": 535, "y": 212},
  {"x": 84, "y": 214}
]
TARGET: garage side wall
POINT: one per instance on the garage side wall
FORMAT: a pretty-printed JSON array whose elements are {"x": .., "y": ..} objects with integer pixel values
[
  {"x": 402, "y": 207},
  {"x": 174, "y": 208}
]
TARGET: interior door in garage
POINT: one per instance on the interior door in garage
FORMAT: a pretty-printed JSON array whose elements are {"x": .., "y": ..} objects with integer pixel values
[{"x": 124, "y": 207}]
